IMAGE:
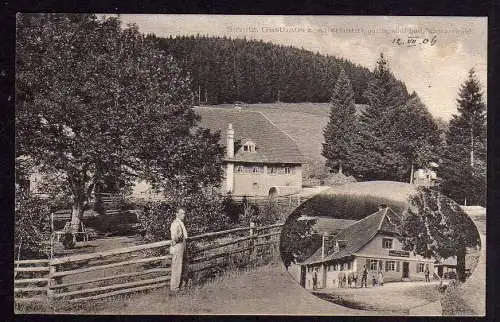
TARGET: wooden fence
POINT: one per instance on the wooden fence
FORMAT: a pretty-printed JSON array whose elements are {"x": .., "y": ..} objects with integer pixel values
[{"x": 98, "y": 275}]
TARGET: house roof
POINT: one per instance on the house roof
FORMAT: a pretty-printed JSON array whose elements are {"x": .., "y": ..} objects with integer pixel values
[
  {"x": 359, "y": 234},
  {"x": 272, "y": 144}
]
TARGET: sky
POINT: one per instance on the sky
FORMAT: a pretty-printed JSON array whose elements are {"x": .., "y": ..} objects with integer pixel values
[{"x": 434, "y": 66}]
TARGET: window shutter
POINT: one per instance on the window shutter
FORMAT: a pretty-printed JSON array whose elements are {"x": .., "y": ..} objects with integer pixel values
[
  {"x": 397, "y": 266},
  {"x": 386, "y": 266},
  {"x": 367, "y": 264}
]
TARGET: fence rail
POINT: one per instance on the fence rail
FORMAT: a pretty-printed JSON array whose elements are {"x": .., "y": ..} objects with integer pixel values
[{"x": 143, "y": 267}]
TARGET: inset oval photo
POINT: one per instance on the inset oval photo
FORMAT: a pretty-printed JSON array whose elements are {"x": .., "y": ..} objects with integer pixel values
[{"x": 380, "y": 246}]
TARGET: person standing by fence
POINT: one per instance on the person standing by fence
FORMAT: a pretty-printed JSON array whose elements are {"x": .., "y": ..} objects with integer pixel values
[{"x": 178, "y": 234}]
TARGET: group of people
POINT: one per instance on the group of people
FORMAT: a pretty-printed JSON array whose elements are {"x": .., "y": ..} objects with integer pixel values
[
  {"x": 377, "y": 279},
  {"x": 350, "y": 279},
  {"x": 347, "y": 279}
]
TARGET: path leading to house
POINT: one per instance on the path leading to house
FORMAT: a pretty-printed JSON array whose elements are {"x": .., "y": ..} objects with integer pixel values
[{"x": 393, "y": 298}]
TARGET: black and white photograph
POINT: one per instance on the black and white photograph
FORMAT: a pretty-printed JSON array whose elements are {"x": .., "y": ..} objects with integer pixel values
[{"x": 201, "y": 164}]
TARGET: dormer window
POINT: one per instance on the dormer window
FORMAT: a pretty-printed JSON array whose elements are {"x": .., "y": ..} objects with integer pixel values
[
  {"x": 248, "y": 146},
  {"x": 341, "y": 244}
]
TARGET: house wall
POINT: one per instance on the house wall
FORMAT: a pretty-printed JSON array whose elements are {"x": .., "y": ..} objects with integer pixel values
[
  {"x": 371, "y": 251},
  {"x": 258, "y": 184},
  {"x": 328, "y": 273},
  {"x": 374, "y": 250}
]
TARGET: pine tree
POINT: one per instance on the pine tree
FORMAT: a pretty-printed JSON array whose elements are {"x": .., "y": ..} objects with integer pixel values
[
  {"x": 464, "y": 160},
  {"x": 385, "y": 97},
  {"x": 340, "y": 130},
  {"x": 414, "y": 134}
]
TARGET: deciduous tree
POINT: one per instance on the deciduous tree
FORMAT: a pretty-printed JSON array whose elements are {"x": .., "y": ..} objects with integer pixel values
[
  {"x": 93, "y": 98},
  {"x": 435, "y": 226}
]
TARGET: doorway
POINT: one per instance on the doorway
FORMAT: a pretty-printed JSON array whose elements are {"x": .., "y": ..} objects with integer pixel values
[{"x": 406, "y": 270}]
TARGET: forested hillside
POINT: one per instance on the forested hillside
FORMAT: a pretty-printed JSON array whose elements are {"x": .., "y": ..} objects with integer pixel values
[{"x": 227, "y": 70}]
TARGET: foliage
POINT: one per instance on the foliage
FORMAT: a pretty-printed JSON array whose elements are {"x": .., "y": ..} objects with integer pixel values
[
  {"x": 316, "y": 169},
  {"x": 32, "y": 226},
  {"x": 341, "y": 128},
  {"x": 204, "y": 213},
  {"x": 229, "y": 70},
  {"x": 94, "y": 100},
  {"x": 395, "y": 130},
  {"x": 231, "y": 208},
  {"x": 435, "y": 226},
  {"x": 298, "y": 240},
  {"x": 464, "y": 158},
  {"x": 270, "y": 213}
]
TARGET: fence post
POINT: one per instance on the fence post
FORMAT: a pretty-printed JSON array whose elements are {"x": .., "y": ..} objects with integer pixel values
[
  {"x": 52, "y": 281},
  {"x": 252, "y": 241}
]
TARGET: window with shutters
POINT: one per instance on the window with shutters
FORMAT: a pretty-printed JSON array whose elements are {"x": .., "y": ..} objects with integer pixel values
[
  {"x": 373, "y": 264},
  {"x": 420, "y": 267}
]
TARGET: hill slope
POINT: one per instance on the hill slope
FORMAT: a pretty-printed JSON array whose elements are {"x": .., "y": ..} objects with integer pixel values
[{"x": 225, "y": 70}]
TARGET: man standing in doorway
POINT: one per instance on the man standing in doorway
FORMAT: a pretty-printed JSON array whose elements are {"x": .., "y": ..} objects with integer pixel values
[
  {"x": 364, "y": 276},
  {"x": 178, "y": 235}
]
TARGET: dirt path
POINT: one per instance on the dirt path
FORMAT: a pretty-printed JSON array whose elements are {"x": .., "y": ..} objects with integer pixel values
[
  {"x": 264, "y": 290},
  {"x": 392, "y": 298}
]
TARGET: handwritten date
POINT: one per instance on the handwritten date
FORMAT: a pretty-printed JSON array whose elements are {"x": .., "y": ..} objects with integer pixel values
[{"x": 413, "y": 41}]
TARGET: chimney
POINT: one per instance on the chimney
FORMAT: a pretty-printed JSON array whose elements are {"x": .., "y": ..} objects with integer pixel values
[{"x": 230, "y": 142}]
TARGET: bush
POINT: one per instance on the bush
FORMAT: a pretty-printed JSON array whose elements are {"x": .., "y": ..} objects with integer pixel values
[
  {"x": 262, "y": 214},
  {"x": 32, "y": 226},
  {"x": 231, "y": 209},
  {"x": 204, "y": 213}
]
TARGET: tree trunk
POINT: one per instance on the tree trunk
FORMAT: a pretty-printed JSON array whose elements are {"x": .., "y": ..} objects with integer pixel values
[
  {"x": 81, "y": 188},
  {"x": 340, "y": 167},
  {"x": 461, "y": 264},
  {"x": 471, "y": 147},
  {"x": 76, "y": 215}
]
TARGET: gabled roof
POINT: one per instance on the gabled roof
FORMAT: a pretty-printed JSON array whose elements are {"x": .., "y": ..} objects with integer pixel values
[
  {"x": 272, "y": 144},
  {"x": 359, "y": 234}
]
